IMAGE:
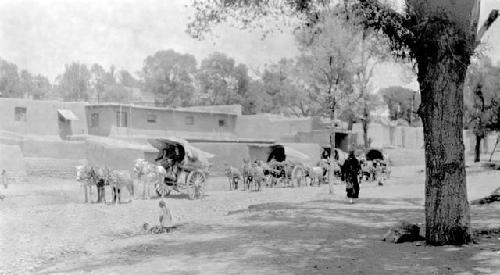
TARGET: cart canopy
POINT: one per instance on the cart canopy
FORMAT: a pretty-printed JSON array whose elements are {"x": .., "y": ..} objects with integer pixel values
[
  {"x": 292, "y": 153},
  {"x": 283, "y": 152},
  {"x": 374, "y": 154},
  {"x": 192, "y": 154}
]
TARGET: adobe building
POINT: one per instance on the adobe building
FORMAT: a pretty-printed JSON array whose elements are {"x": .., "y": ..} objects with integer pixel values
[
  {"x": 47, "y": 118},
  {"x": 102, "y": 118},
  {"x": 34, "y": 132}
]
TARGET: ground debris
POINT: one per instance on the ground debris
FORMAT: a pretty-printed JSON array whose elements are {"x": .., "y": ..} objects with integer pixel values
[
  {"x": 481, "y": 232},
  {"x": 402, "y": 232},
  {"x": 487, "y": 200}
]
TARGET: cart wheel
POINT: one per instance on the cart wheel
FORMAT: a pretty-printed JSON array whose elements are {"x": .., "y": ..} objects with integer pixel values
[{"x": 195, "y": 185}]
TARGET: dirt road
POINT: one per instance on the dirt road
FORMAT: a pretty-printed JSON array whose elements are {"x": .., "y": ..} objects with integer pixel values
[{"x": 44, "y": 228}]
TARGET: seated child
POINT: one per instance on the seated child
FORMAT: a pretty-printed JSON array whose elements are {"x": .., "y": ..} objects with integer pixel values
[{"x": 165, "y": 219}]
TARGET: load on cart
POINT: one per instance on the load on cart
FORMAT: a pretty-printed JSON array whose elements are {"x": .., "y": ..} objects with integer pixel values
[
  {"x": 187, "y": 167},
  {"x": 375, "y": 165},
  {"x": 284, "y": 164}
]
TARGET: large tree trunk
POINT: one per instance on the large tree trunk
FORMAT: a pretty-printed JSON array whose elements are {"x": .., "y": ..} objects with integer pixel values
[{"x": 446, "y": 207}]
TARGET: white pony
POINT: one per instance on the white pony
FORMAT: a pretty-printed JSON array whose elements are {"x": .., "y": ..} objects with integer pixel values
[
  {"x": 119, "y": 180},
  {"x": 148, "y": 174},
  {"x": 84, "y": 176}
]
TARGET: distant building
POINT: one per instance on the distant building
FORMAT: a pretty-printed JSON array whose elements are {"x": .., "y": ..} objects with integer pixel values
[
  {"x": 103, "y": 117},
  {"x": 36, "y": 117}
]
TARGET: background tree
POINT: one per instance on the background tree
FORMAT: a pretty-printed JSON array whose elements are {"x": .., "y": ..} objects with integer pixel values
[
  {"x": 97, "y": 81},
  {"x": 221, "y": 81},
  {"x": 257, "y": 100},
  {"x": 481, "y": 87},
  {"x": 42, "y": 88},
  {"x": 440, "y": 37},
  {"x": 169, "y": 76},
  {"x": 372, "y": 52},
  {"x": 128, "y": 80},
  {"x": 494, "y": 122},
  {"x": 327, "y": 60},
  {"x": 74, "y": 83},
  {"x": 278, "y": 80},
  {"x": 9, "y": 79},
  {"x": 402, "y": 103}
]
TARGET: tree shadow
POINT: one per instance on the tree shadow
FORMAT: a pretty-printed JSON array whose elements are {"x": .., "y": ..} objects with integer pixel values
[{"x": 297, "y": 238}]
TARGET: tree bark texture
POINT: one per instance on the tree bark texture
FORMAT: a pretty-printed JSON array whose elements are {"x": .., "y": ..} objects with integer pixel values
[{"x": 447, "y": 214}]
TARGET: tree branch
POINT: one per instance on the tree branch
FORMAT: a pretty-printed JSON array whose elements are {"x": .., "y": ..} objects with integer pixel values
[
  {"x": 486, "y": 25},
  {"x": 371, "y": 14}
]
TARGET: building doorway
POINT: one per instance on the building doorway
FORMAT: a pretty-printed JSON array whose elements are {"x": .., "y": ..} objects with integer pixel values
[{"x": 64, "y": 122}]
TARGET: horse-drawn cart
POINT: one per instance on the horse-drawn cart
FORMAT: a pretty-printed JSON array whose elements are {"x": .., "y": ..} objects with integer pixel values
[
  {"x": 189, "y": 176},
  {"x": 284, "y": 165},
  {"x": 375, "y": 165}
]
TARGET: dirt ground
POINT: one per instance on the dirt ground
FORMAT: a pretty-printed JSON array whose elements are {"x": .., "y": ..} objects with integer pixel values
[{"x": 45, "y": 228}]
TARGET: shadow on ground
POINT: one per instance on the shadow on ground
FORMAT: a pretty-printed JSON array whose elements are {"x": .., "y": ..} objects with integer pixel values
[{"x": 318, "y": 237}]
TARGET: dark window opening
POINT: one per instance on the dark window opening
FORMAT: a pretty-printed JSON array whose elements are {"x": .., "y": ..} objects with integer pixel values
[
  {"x": 189, "y": 120},
  {"x": 20, "y": 113},
  {"x": 222, "y": 123},
  {"x": 151, "y": 118},
  {"x": 94, "y": 120}
]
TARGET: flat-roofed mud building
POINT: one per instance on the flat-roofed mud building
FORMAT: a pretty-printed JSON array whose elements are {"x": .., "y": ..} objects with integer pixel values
[{"x": 102, "y": 118}]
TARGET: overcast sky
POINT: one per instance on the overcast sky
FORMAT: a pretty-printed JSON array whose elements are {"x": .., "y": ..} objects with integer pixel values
[{"x": 43, "y": 35}]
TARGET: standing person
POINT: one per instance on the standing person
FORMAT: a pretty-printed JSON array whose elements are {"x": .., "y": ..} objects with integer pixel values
[
  {"x": 4, "y": 179},
  {"x": 352, "y": 168}
]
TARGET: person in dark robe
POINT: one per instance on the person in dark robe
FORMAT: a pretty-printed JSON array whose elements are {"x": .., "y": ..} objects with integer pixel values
[
  {"x": 100, "y": 190},
  {"x": 352, "y": 168}
]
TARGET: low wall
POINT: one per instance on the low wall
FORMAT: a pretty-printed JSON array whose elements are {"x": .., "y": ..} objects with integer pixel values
[
  {"x": 119, "y": 156},
  {"x": 230, "y": 153},
  {"x": 53, "y": 168},
  {"x": 57, "y": 149}
]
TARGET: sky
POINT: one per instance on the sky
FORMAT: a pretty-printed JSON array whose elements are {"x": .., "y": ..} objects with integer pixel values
[{"x": 44, "y": 35}]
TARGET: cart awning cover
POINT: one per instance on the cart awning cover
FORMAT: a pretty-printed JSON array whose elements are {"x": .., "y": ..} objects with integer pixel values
[
  {"x": 375, "y": 154},
  {"x": 295, "y": 154},
  {"x": 193, "y": 154},
  {"x": 67, "y": 114}
]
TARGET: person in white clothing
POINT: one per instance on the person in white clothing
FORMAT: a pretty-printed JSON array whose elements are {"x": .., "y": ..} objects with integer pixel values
[{"x": 165, "y": 217}]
